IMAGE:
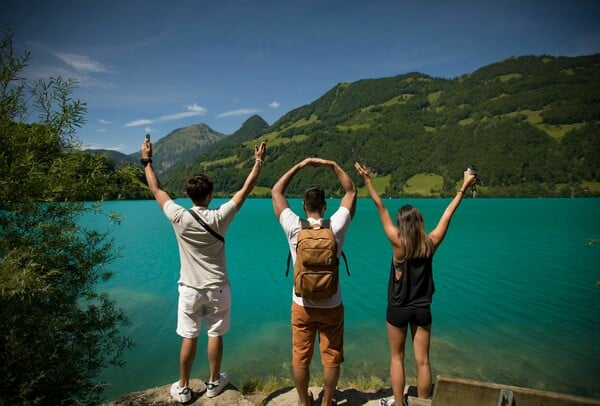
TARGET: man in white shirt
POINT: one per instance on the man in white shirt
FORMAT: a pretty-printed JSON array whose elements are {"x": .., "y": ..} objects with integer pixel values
[
  {"x": 204, "y": 291},
  {"x": 324, "y": 316}
]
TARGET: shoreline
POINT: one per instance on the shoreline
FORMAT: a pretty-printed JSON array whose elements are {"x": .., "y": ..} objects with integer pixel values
[{"x": 446, "y": 391}]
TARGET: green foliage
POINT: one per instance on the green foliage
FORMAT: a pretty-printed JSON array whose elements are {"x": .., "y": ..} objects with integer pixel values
[
  {"x": 57, "y": 332},
  {"x": 529, "y": 123}
]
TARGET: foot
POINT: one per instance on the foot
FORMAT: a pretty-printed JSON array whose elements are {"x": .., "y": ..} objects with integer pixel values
[
  {"x": 214, "y": 388},
  {"x": 181, "y": 395},
  {"x": 386, "y": 402}
]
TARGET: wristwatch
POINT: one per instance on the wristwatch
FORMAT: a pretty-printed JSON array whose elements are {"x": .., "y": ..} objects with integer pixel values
[{"x": 145, "y": 161}]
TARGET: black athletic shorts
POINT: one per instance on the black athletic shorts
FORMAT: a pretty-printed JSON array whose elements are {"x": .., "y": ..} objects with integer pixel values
[{"x": 401, "y": 317}]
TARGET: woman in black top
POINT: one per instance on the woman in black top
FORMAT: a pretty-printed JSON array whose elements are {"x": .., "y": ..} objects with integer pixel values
[{"x": 410, "y": 286}]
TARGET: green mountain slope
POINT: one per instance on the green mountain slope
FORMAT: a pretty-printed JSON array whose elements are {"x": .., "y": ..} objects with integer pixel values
[
  {"x": 181, "y": 145},
  {"x": 531, "y": 124}
]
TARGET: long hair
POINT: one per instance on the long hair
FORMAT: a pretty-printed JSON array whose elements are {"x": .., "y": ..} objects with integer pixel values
[
  {"x": 417, "y": 243},
  {"x": 197, "y": 187}
]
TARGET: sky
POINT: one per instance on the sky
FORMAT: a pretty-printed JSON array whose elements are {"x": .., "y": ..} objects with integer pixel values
[{"x": 156, "y": 66}]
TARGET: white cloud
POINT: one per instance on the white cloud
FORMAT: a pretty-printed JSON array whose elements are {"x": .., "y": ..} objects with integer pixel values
[
  {"x": 82, "y": 63},
  {"x": 196, "y": 107},
  {"x": 274, "y": 104},
  {"x": 91, "y": 146},
  {"x": 192, "y": 111},
  {"x": 240, "y": 112},
  {"x": 101, "y": 121},
  {"x": 137, "y": 123}
]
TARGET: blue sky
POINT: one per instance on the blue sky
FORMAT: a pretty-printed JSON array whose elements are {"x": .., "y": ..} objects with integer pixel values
[{"x": 161, "y": 65}]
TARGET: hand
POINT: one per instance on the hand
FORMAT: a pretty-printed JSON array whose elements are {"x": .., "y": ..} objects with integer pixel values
[
  {"x": 469, "y": 179},
  {"x": 260, "y": 151},
  {"x": 146, "y": 149},
  {"x": 363, "y": 171}
]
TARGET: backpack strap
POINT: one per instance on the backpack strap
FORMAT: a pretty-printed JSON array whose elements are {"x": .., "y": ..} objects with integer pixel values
[{"x": 206, "y": 226}]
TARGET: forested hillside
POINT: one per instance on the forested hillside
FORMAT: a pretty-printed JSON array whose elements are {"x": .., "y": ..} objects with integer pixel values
[{"x": 531, "y": 124}]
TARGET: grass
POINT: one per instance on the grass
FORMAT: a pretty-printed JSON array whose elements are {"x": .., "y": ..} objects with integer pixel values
[
  {"x": 424, "y": 184},
  {"x": 380, "y": 183},
  {"x": 273, "y": 383}
]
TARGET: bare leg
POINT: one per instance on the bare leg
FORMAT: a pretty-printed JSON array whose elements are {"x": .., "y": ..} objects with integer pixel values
[
  {"x": 215, "y": 355},
  {"x": 301, "y": 378},
  {"x": 186, "y": 360},
  {"x": 330, "y": 378},
  {"x": 421, "y": 338},
  {"x": 397, "y": 339}
]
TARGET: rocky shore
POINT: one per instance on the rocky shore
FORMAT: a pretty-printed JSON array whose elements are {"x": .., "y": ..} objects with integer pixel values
[{"x": 232, "y": 396}]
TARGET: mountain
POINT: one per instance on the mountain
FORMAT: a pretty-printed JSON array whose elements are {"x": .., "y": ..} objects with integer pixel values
[
  {"x": 232, "y": 148},
  {"x": 181, "y": 145},
  {"x": 531, "y": 124},
  {"x": 117, "y": 157}
]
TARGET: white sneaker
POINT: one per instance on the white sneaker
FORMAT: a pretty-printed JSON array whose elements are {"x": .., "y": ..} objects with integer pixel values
[
  {"x": 181, "y": 395},
  {"x": 214, "y": 388}
]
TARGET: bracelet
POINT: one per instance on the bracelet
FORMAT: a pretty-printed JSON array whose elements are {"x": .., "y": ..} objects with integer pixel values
[
  {"x": 259, "y": 161},
  {"x": 146, "y": 161},
  {"x": 461, "y": 191}
]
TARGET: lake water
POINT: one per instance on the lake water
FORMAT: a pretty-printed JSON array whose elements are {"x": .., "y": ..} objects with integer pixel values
[{"x": 517, "y": 300}]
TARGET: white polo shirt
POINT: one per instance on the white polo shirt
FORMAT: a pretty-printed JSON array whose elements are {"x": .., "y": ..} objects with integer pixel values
[
  {"x": 202, "y": 256},
  {"x": 290, "y": 222}
]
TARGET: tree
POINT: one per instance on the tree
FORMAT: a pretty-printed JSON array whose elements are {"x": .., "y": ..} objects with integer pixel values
[{"x": 57, "y": 332}]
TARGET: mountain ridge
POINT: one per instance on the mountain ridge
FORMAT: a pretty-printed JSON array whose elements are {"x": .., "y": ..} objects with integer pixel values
[{"x": 531, "y": 124}]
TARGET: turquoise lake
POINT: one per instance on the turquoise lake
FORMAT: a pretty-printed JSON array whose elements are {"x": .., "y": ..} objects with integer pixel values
[{"x": 517, "y": 298}]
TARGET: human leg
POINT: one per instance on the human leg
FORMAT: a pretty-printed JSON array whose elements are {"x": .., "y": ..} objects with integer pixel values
[
  {"x": 421, "y": 340},
  {"x": 330, "y": 380},
  {"x": 301, "y": 378},
  {"x": 214, "y": 351},
  {"x": 397, "y": 340},
  {"x": 217, "y": 314},
  {"x": 189, "y": 320},
  {"x": 331, "y": 346},
  {"x": 303, "y": 339},
  {"x": 187, "y": 354}
]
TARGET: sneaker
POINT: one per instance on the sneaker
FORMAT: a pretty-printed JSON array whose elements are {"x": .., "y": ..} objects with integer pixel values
[
  {"x": 214, "y": 388},
  {"x": 181, "y": 395},
  {"x": 387, "y": 402}
]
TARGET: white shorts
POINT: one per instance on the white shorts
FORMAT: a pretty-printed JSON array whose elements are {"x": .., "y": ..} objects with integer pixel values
[{"x": 212, "y": 305}]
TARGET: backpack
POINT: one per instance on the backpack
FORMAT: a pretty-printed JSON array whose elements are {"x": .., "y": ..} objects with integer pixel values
[{"x": 316, "y": 271}]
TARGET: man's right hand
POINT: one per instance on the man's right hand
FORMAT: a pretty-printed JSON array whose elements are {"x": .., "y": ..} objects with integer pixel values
[{"x": 146, "y": 149}]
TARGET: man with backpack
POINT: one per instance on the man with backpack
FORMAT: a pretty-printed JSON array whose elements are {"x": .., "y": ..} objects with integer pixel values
[{"x": 316, "y": 297}]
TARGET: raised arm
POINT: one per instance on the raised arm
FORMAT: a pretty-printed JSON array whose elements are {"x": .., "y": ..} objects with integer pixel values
[
  {"x": 349, "y": 199},
  {"x": 390, "y": 229},
  {"x": 259, "y": 156},
  {"x": 439, "y": 232},
  {"x": 160, "y": 195},
  {"x": 280, "y": 203}
]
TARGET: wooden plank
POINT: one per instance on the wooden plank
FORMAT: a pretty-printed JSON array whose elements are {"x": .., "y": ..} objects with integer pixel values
[{"x": 463, "y": 392}]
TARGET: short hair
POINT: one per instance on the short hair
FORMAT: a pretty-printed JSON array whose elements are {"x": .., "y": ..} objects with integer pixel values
[
  {"x": 314, "y": 199},
  {"x": 197, "y": 187}
]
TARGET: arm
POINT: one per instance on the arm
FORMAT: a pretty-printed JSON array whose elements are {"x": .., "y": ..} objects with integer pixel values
[
  {"x": 280, "y": 203},
  {"x": 391, "y": 231},
  {"x": 259, "y": 155},
  {"x": 349, "y": 199},
  {"x": 160, "y": 195},
  {"x": 439, "y": 232}
]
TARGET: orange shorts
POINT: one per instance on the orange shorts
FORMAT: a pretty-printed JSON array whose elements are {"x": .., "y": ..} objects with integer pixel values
[{"x": 306, "y": 321}]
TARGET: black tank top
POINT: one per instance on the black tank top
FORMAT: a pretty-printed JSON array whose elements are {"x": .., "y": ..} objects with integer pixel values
[{"x": 415, "y": 288}]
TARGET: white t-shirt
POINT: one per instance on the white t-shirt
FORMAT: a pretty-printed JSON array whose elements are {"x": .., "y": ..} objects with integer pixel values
[
  {"x": 340, "y": 221},
  {"x": 202, "y": 255}
]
